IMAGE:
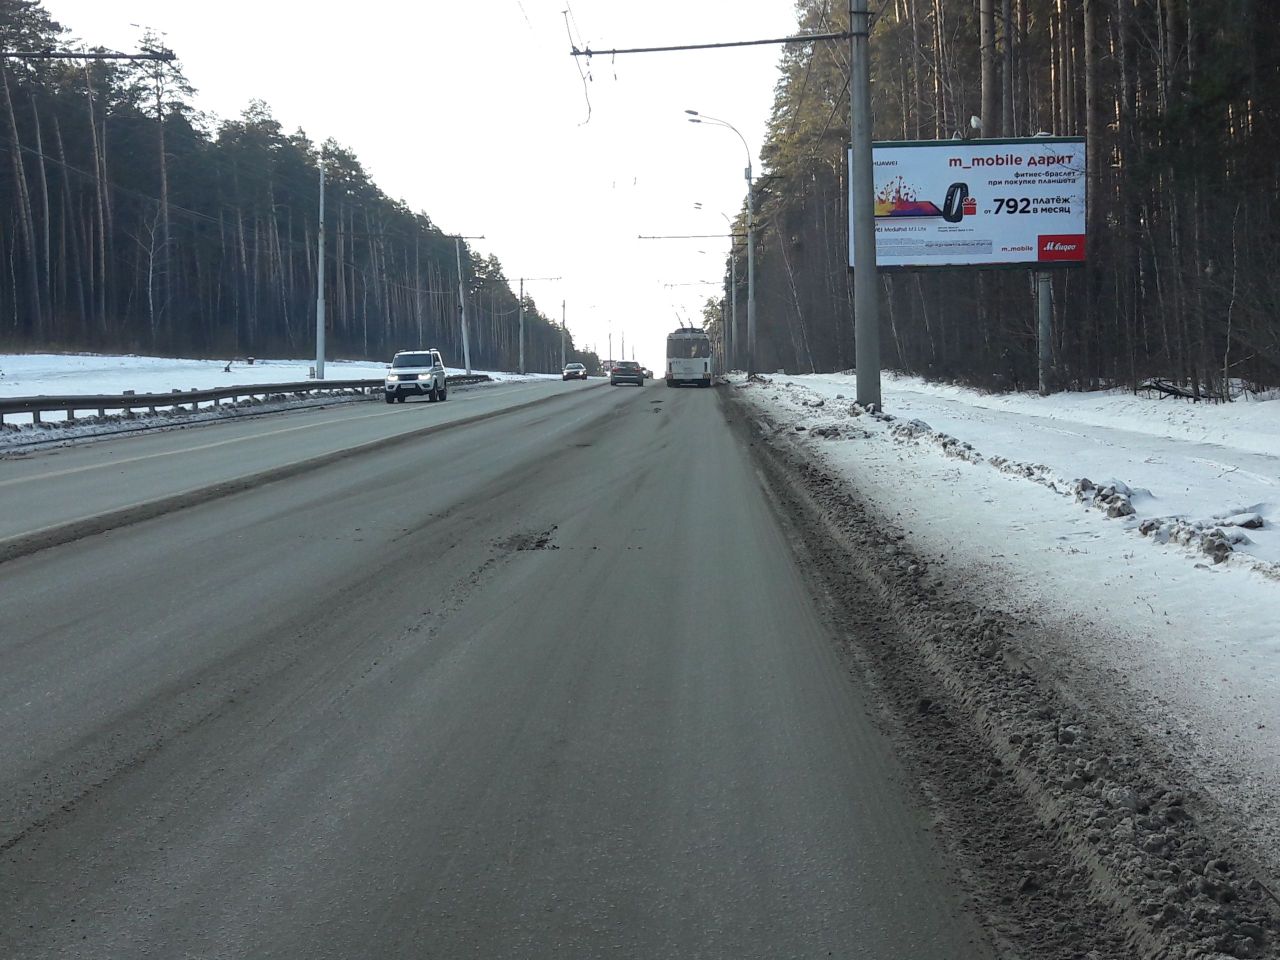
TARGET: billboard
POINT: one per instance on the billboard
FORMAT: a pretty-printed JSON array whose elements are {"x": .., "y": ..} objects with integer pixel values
[{"x": 983, "y": 203}]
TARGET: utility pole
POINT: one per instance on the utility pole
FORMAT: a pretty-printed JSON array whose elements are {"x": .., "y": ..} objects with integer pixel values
[
  {"x": 733, "y": 325},
  {"x": 462, "y": 300},
  {"x": 751, "y": 274},
  {"x": 522, "y": 280},
  {"x": 320, "y": 282},
  {"x": 866, "y": 279},
  {"x": 562, "y": 322},
  {"x": 724, "y": 337}
]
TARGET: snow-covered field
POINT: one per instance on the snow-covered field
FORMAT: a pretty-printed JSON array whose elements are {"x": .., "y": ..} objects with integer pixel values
[
  {"x": 36, "y": 374},
  {"x": 33, "y": 375},
  {"x": 1148, "y": 580}
]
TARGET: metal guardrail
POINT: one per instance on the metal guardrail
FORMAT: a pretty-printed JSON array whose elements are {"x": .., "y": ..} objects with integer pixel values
[{"x": 150, "y": 402}]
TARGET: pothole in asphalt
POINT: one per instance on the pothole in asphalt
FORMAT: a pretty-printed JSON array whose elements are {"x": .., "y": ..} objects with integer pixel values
[{"x": 529, "y": 540}]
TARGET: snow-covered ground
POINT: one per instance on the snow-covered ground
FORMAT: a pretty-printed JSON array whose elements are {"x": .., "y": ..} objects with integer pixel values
[
  {"x": 36, "y": 374},
  {"x": 1173, "y": 604},
  {"x": 33, "y": 375}
]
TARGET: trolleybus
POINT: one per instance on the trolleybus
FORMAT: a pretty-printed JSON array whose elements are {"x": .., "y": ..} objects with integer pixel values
[{"x": 689, "y": 357}]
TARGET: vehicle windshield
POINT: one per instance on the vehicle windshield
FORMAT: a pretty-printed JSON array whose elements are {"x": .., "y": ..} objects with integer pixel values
[
  {"x": 680, "y": 348},
  {"x": 573, "y": 366},
  {"x": 412, "y": 360}
]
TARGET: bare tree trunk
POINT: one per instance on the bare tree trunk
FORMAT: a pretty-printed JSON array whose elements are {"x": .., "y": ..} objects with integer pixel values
[
  {"x": 1032, "y": 119},
  {"x": 939, "y": 96},
  {"x": 1056, "y": 86},
  {"x": 99, "y": 176},
  {"x": 26, "y": 224},
  {"x": 1066, "y": 47},
  {"x": 917, "y": 67},
  {"x": 1008, "y": 122},
  {"x": 162, "y": 319},
  {"x": 803, "y": 343},
  {"x": 77, "y": 256},
  {"x": 1093, "y": 118},
  {"x": 417, "y": 290},
  {"x": 47, "y": 291},
  {"x": 987, "y": 41}
]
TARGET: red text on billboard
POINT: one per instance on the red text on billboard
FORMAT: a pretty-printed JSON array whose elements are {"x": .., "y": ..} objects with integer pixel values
[{"x": 1061, "y": 247}]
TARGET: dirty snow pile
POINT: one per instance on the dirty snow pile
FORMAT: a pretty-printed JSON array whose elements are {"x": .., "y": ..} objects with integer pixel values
[{"x": 1143, "y": 532}]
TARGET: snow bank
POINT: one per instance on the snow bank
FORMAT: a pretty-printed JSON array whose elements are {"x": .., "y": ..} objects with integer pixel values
[{"x": 1142, "y": 531}]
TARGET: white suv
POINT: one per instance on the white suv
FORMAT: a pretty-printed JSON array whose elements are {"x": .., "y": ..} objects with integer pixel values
[{"x": 416, "y": 371}]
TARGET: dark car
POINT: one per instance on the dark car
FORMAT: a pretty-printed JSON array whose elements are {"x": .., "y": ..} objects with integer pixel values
[
  {"x": 627, "y": 371},
  {"x": 574, "y": 371}
]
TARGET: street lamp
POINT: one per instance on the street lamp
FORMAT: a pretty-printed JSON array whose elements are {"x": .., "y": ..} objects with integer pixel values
[
  {"x": 696, "y": 117},
  {"x": 320, "y": 321}
]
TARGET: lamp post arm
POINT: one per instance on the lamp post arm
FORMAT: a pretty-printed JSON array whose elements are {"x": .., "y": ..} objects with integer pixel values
[
  {"x": 696, "y": 117},
  {"x": 703, "y": 118}
]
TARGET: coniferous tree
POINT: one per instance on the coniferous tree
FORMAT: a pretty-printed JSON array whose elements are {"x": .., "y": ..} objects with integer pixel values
[
  {"x": 1177, "y": 102},
  {"x": 129, "y": 221}
]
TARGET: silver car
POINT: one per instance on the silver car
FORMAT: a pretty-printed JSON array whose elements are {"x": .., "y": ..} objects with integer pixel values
[{"x": 416, "y": 372}]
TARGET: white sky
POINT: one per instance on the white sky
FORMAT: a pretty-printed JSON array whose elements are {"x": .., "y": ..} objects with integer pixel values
[{"x": 473, "y": 112}]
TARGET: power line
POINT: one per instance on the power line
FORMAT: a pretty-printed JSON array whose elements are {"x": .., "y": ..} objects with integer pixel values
[
  {"x": 165, "y": 55},
  {"x": 803, "y": 38},
  {"x": 586, "y": 93}
]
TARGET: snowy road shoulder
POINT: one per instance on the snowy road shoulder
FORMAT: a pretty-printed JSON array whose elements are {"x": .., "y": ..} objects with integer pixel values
[{"x": 1189, "y": 647}]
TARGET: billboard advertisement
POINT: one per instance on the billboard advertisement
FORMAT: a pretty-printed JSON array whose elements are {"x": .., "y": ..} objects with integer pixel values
[{"x": 983, "y": 203}]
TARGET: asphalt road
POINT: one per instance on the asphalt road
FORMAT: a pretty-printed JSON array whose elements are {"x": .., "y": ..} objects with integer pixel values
[
  {"x": 549, "y": 684},
  {"x": 84, "y": 480}
]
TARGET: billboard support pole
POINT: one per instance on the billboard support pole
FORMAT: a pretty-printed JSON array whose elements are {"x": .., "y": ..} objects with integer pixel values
[
  {"x": 866, "y": 281},
  {"x": 1044, "y": 302}
]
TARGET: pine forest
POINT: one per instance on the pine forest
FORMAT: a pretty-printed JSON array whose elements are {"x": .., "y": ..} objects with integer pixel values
[
  {"x": 1179, "y": 102},
  {"x": 130, "y": 222}
]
